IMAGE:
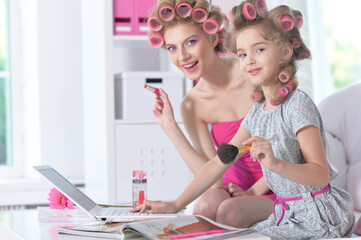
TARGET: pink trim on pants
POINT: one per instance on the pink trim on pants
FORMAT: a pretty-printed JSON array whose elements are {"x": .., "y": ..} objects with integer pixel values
[{"x": 284, "y": 205}]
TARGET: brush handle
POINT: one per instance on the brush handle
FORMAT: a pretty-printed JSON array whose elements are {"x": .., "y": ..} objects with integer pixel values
[{"x": 244, "y": 148}]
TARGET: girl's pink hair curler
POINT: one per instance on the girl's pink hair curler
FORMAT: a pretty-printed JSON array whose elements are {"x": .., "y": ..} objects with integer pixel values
[
  {"x": 156, "y": 40},
  {"x": 287, "y": 23},
  {"x": 210, "y": 26},
  {"x": 166, "y": 13},
  {"x": 256, "y": 96},
  {"x": 199, "y": 15},
  {"x": 154, "y": 24},
  {"x": 299, "y": 21},
  {"x": 184, "y": 9},
  {"x": 289, "y": 87},
  {"x": 284, "y": 76},
  {"x": 296, "y": 44},
  {"x": 272, "y": 102},
  {"x": 261, "y": 6},
  {"x": 283, "y": 92},
  {"x": 249, "y": 11}
]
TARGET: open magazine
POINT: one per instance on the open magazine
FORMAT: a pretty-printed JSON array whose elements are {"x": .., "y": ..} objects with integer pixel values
[{"x": 184, "y": 227}]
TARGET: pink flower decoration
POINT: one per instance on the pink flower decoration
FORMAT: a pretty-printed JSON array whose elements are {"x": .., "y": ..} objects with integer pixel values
[{"x": 58, "y": 201}]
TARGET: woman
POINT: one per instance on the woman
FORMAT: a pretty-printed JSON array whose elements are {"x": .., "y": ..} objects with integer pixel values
[{"x": 193, "y": 34}]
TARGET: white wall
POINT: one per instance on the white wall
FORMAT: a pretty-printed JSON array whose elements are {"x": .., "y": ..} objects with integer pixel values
[{"x": 52, "y": 85}]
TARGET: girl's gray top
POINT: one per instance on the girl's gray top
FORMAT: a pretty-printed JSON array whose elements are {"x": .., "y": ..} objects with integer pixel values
[
  {"x": 279, "y": 126},
  {"x": 325, "y": 215}
]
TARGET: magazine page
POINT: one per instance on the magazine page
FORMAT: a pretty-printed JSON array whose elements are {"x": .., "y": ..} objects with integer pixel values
[
  {"x": 99, "y": 229},
  {"x": 192, "y": 226}
]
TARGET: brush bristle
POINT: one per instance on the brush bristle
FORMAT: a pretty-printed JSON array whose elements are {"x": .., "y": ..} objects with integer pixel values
[{"x": 227, "y": 152}]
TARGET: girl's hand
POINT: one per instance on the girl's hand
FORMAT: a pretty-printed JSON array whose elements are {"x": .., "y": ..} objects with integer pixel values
[
  {"x": 156, "y": 207},
  {"x": 261, "y": 150},
  {"x": 162, "y": 109},
  {"x": 234, "y": 190}
]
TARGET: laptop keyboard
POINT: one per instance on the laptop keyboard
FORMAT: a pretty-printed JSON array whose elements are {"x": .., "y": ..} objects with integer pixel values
[{"x": 120, "y": 212}]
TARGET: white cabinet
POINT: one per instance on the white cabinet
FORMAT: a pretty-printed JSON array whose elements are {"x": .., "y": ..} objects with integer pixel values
[
  {"x": 110, "y": 146},
  {"x": 144, "y": 146}
]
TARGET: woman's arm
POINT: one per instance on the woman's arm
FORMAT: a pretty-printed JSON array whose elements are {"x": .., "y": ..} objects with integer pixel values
[
  {"x": 206, "y": 177},
  {"x": 203, "y": 150},
  {"x": 314, "y": 172}
]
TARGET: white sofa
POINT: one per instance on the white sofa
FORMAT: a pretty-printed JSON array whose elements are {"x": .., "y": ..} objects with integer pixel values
[{"x": 341, "y": 114}]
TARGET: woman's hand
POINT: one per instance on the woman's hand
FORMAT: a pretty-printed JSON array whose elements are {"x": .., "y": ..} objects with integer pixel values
[
  {"x": 156, "y": 207},
  {"x": 235, "y": 191},
  {"x": 162, "y": 109},
  {"x": 261, "y": 150}
]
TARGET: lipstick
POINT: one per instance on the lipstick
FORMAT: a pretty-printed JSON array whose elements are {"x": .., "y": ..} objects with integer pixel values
[{"x": 152, "y": 89}]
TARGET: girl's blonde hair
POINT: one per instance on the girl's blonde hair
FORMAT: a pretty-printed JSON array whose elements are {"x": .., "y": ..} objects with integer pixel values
[
  {"x": 280, "y": 25},
  {"x": 212, "y": 15}
]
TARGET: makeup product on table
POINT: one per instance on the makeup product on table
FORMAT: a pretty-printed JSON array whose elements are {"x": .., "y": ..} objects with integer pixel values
[
  {"x": 139, "y": 187},
  {"x": 152, "y": 89}
]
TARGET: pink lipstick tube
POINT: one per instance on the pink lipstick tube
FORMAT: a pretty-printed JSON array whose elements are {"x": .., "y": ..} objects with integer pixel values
[{"x": 152, "y": 89}]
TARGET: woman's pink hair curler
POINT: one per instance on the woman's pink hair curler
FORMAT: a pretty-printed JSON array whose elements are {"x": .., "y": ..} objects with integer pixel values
[
  {"x": 284, "y": 76},
  {"x": 287, "y": 23},
  {"x": 210, "y": 26},
  {"x": 283, "y": 92},
  {"x": 296, "y": 44},
  {"x": 156, "y": 40},
  {"x": 221, "y": 39},
  {"x": 166, "y": 13},
  {"x": 223, "y": 24},
  {"x": 230, "y": 16},
  {"x": 256, "y": 96},
  {"x": 249, "y": 11},
  {"x": 154, "y": 24},
  {"x": 272, "y": 102},
  {"x": 289, "y": 87},
  {"x": 184, "y": 9},
  {"x": 261, "y": 6},
  {"x": 199, "y": 15},
  {"x": 299, "y": 21}
]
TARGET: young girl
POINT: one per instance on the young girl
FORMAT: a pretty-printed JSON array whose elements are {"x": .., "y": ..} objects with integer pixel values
[
  {"x": 193, "y": 34},
  {"x": 285, "y": 132}
]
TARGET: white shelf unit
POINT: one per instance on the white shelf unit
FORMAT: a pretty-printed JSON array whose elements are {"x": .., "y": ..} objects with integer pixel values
[{"x": 110, "y": 145}]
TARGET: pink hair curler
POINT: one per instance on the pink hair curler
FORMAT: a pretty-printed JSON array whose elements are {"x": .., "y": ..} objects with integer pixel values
[
  {"x": 296, "y": 44},
  {"x": 272, "y": 102},
  {"x": 156, "y": 40},
  {"x": 223, "y": 24},
  {"x": 230, "y": 16},
  {"x": 256, "y": 96},
  {"x": 283, "y": 92},
  {"x": 287, "y": 23},
  {"x": 249, "y": 11},
  {"x": 299, "y": 21},
  {"x": 221, "y": 39},
  {"x": 199, "y": 15},
  {"x": 154, "y": 24},
  {"x": 184, "y": 9},
  {"x": 289, "y": 87},
  {"x": 284, "y": 76},
  {"x": 210, "y": 26},
  {"x": 216, "y": 8},
  {"x": 166, "y": 13},
  {"x": 261, "y": 6}
]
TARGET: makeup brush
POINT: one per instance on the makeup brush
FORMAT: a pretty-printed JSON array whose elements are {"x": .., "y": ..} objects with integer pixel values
[
  {"x": 152, "y": 89},
  {"x": 227, "y": 152}
]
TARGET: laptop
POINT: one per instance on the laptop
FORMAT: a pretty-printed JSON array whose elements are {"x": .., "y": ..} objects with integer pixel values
[{"x": 108, "y": 214}]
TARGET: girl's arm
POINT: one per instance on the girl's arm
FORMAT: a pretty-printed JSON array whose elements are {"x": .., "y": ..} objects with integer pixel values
[{"x": 314, "y": 172}]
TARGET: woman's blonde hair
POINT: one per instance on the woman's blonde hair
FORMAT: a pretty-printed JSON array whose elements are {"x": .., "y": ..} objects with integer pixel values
[
  {"x": 202, "y": 13},
  {"x": 280, "y": 25}
]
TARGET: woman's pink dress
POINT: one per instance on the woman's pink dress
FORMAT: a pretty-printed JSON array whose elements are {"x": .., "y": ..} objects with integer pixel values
[{"x": 244, "y": 172}]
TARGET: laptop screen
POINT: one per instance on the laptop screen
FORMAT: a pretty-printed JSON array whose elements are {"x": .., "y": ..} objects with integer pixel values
[{"x": 66, "y": 187}]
